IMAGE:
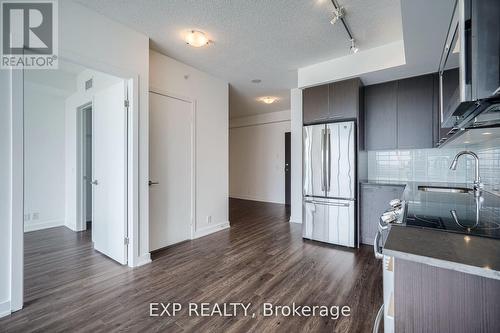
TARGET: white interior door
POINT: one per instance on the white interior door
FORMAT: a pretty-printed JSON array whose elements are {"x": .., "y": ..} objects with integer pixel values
[
  {"x": 170, "y": 170},
  {"x": 109, "y": 202}
]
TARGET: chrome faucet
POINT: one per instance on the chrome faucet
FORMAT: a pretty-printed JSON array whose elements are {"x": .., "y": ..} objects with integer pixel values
[{"x": 477, "y": 179}]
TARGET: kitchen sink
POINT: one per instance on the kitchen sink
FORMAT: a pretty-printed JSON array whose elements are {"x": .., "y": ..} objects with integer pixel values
[{"x": 443, "y": 189}]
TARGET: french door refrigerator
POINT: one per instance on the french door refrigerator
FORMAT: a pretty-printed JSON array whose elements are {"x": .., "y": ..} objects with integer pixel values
[{"x": 329, "y": 178}]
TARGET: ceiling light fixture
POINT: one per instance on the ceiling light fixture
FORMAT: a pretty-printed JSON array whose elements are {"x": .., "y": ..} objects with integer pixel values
[
  {"x": 268, "y": 99},
  {"x": 487, "y": 133},
  {"x": 338, "y": 13},
  {"x": 353, "y": 48},
  {"x": 197, "y": 38},
  {"x": 256, "y": 81}
]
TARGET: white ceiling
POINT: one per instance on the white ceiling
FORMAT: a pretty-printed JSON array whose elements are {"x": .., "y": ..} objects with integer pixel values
[
  {"x": 62, "y": 80},
  {"x": 259, "y": 39}
]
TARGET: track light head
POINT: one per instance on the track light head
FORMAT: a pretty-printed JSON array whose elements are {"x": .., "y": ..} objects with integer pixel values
[
  {"x": 353, "y": 48},
  {"x": 338, "y": 13}
]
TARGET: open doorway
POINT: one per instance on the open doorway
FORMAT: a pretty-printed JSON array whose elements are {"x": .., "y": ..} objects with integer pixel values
[
  {"x": 85, "y": 142},
  {"x": 76, "y": 142}
]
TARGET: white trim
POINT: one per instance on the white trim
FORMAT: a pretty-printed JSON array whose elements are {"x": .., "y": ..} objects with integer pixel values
[
  {"x": 253, "y": 198},
  {"x": 295, "y": 221},
  {"x": 143, "y": 260},
  {"x": 5, "y": 309},
  {"x": 17, "y": 191},
  {"x": 44, "y": 224},
  {"x": 165, "y": 93},
  {"x": 211, "y": 229}
]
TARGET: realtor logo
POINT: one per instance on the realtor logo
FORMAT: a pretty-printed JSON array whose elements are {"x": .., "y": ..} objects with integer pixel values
[{"x": 29, "y": 34}]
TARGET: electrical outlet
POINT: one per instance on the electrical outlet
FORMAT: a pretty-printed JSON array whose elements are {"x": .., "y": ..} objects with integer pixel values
[
  {"x": 35, "y": 216},
  {"x": 27, "y": 217},
  {"x": 209, "y": 219}
]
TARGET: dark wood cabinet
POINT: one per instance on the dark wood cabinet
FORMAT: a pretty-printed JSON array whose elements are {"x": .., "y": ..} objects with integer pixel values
[
  {"x": 402, "y": 114},
  {"x": 381, "y": 116},
  {"x": 331, "y": 102},
  {"x": 415, "y": 112},
  {"x": 344, "y": 99},
  {"x": 315, "y": 104}
]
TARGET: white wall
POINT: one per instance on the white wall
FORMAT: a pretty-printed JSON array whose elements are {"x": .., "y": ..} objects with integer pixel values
[
  {"x": 5, "y": 191},
  {"x": 212, "y": 113},
  {"x": 296, "y": 185},
  {"x": 257, "y": 157},
  {"x": 43, "y": 156},
  {"x": 97, "y": 42},
  {"x": 79, "y": 98},
  {"x": 93, "y": 41}
]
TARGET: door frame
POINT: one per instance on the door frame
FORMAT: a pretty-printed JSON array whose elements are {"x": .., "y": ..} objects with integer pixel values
[
  {"x": 168, "y": 94},
  {"x": 134, "y": 187},
  {"x": 81, "y": 192}
]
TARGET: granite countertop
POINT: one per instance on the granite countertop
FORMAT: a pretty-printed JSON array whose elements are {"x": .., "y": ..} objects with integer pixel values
[
  {"x": 429, "y": 233},
  {"x": 468, "y": 254}
]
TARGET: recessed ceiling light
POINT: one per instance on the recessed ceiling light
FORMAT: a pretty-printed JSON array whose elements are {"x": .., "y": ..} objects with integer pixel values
[
  {"x": 256, "y": 81},
  {"x": 487, "y": 133},
  {"x": 466, "y": 141},
  {"x": 268, "y": 99},
  {"x": 196, "y": 38}
]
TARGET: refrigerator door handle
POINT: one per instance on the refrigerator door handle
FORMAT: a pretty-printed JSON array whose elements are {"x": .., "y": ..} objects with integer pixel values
[
  {"x": 376, "y": 248},
  {"x": 328, "y": 161},
  {"x": 326, "y": 203},
  {"x": 323, "y": 187}
]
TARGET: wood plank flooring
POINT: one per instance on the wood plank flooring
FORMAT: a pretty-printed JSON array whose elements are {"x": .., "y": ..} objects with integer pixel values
[{"x": 69, "y": 287}]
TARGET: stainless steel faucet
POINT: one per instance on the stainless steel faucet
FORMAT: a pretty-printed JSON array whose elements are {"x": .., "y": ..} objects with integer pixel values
[{"x": 477, "y": 178}]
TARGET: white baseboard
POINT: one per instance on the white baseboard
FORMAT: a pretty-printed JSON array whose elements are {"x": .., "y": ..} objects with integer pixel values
[
  {"x": 210, "y": 229},
  {"x": 252, "y": 198},
  {"x": 295, "y": 221},
  {"x": 5, "y": 309},
  {"x": 143, "y": 260},
  {"x": 39, "y": 225}
]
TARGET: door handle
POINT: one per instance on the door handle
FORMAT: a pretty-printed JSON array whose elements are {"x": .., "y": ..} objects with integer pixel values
[
  {"x": 335, "y": 204},
  {"x": 94, "y": 182},
  {"x": 328, "y": 161},
  {"x": 153, "y": 183},
  {"x": 323, "y": 168}
]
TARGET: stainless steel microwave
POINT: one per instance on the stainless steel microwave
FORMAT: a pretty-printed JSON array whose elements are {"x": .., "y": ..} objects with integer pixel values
[{"x": 469, "y": 69}]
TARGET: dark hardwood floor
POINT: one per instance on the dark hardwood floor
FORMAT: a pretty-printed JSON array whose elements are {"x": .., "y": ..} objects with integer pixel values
[{"x": 69, "y": 287}]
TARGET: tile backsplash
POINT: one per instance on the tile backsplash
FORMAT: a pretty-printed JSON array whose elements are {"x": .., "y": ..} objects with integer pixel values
[{"x": 432, "y": 165}]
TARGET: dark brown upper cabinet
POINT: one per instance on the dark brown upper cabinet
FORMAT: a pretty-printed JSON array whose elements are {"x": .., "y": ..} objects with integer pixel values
[
  {"x": 315, "y": 104},
  {"x": 415, "y": 112},
  {"x": 402, "y": 114},
  {"x": 381, "y": 116},
  {"x": 344, "y": 99},
  {"x": 331, "y": 102}
]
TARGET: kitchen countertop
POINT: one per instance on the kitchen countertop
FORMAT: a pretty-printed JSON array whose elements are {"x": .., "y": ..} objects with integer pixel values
[
  {"x": 468, "y": 254},
  {"x": 451, "y": 245}
]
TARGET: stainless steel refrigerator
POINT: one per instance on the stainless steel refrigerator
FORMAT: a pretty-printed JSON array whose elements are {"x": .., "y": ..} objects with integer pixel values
[{"x": 329, "y": 189}]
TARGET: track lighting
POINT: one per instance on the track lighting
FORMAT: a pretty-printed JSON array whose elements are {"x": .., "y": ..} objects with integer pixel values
[
  {"x": 353, "y": 48},
  {"x": 338, "y": 13}
]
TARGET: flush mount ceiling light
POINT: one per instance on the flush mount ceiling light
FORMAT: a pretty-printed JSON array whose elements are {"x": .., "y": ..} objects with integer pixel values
[
  {"x": 197, "y": 38},
  {"x": 353, "y": 48},
  {"x": 268, "y": 99}
]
